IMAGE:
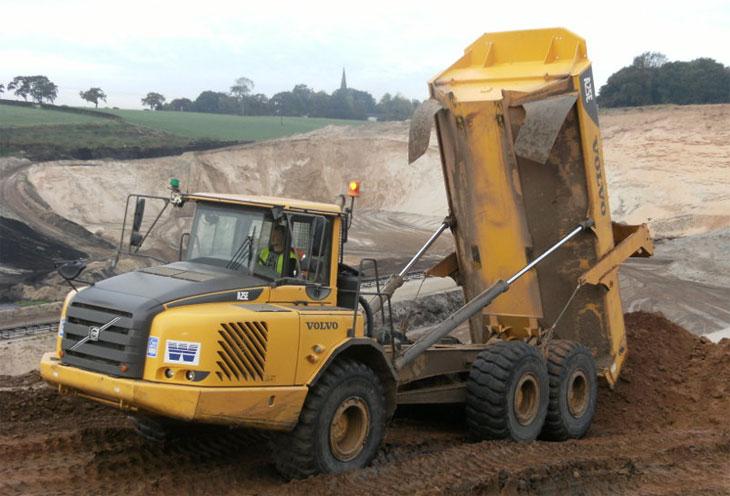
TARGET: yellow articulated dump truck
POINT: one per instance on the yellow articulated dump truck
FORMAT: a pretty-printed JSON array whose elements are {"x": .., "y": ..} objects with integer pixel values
[{"x": 261, "y": 325}]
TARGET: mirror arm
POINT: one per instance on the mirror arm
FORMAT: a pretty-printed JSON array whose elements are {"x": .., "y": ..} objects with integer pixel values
[{"x": 152, "y": 226}]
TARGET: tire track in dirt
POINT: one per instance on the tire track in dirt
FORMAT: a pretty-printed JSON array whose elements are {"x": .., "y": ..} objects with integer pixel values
[
  {"x": 664, "y": 430},
  {"x": 597, "y": 466}
]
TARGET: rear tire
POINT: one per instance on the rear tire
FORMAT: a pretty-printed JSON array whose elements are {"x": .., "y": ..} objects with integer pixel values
[
  {"x": 341, "y": 425},
  {"x": 573, "y": 391},
  {"x": 507, "y": 392}
]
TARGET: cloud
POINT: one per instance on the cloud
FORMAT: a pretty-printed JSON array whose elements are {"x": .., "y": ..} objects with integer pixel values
[
  {"x": 181, "y": 48},
  {"x": 25, "y": 62}
]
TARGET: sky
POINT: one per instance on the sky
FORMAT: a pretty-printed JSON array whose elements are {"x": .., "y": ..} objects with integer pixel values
[{"x": 181, "y": 48}]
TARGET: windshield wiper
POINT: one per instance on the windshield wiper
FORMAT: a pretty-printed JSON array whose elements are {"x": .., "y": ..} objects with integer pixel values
[{"x": 235, "y": 262}]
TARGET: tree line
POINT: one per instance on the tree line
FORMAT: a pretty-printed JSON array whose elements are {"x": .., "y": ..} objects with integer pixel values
[
  {"x": 344, "y": 103},
  {"x": 41, "y": 89},
  {"x": 38, "y": 88},
  {"x": 652, "y": 80}
]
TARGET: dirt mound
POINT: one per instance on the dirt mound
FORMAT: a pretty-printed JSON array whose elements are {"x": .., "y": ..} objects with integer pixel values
[
  {"x": 672, "y": 379},
  {"x": 26, "y": 399},
  {"x": 22, "y": 380},
  {"x": 664, "y": 430},
  {"x": 666, "y": 165}
]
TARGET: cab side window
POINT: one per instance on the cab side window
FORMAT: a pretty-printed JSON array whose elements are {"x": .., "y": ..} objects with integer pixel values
[{"x": 311, "y": 241}]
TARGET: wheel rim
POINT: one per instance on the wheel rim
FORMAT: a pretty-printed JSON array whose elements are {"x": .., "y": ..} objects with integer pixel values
[
  {"x": 349, "y": 429},
  {"x": 578, "y": 394},
  {"x": 527, "y": 399}
]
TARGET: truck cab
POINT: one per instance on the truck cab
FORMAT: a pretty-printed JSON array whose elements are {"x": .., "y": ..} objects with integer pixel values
[{"x": 234, "y": 333}]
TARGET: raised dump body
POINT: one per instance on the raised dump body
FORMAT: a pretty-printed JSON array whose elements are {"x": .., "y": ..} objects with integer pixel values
[{"x": 517, "y": 124}]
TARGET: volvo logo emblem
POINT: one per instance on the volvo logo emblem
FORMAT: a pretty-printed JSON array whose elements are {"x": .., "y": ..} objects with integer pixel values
[{"x": 95, "y": 332}]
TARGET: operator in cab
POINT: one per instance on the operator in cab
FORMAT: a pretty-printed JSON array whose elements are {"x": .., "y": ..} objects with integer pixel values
[{"x": 273, "y": 255}]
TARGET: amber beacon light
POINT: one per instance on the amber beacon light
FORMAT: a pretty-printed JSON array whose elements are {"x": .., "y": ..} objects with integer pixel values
[{"x": 353, "y": 189}]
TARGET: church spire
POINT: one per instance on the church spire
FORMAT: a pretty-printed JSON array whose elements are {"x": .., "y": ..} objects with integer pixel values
[{"x": 343, "y": 84}]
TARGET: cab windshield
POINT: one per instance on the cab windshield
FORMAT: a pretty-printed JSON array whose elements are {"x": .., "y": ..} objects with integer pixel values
[
  {"x": 249, "y": 240},
  {"x": 225, "y": 236}
]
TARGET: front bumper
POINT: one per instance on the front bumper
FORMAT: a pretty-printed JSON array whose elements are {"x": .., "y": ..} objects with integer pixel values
[{"x": 274, "y": 408}]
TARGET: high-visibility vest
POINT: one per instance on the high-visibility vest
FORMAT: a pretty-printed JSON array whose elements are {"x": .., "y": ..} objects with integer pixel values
[{"x": 275, "y": 260}]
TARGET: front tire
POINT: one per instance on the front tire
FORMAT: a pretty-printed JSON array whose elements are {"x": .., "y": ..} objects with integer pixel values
[
  {"x": 341, "y": 426},
  {"x": 573, "y": 391},
  {"x": 507, "y": 392},
  {"x": 154, "y": 429}
]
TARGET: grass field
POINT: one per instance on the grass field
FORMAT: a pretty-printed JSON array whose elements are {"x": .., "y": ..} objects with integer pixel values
[
  {"x": 26, "y": 126},
  {"x": 42, "y": 134},
  {"x": 226, "y": 127},
  {"x": 102, "y": 138},
  {"x": 11, "y": 116}
]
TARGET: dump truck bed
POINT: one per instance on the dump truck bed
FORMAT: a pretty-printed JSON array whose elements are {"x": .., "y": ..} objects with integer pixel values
[{"x": 517, "y": 124}]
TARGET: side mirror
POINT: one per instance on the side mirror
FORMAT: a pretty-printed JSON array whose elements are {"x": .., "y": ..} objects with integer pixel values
[
  {"x": 71, "y": 270},
  {"x": 135, "y": 239},
  {"x": 138, "y": 215}
]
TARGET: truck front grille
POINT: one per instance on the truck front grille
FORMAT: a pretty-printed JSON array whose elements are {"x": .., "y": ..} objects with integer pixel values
[
  {"x": 119, "y": 344},
  {"x": 242, "y": 351}
]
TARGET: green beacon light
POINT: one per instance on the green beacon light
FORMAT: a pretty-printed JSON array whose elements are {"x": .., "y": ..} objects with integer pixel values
[{"x": 176, "y": 197}]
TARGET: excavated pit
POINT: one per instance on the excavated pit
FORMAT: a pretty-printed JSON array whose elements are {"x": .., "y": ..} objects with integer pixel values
[{"x": 664, "y": 430}]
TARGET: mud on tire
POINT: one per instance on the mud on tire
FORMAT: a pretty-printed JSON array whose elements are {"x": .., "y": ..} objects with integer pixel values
[
  {"x": 573, "y": 391},
  {"x": 341, "y": 425},
  {"x": 507, "y": 392}
]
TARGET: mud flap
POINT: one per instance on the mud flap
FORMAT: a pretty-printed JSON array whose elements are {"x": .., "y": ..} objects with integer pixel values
[
  {"x": 543, "y": 121},
  {"x": 420, "y": 131}
]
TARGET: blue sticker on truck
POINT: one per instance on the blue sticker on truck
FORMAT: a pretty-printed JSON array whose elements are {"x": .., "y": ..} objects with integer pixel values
[
  {"x": 152, "y": 346},
  {"x": 182, "y": 352}
]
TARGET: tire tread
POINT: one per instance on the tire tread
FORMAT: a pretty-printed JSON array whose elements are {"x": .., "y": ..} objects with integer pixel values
[
  {"x": 556, "y": 428},
  {"x": 487, "y": 388},
  {"x": 294, "y": 451}
]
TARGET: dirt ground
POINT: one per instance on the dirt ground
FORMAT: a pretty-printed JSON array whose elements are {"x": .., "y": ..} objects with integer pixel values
[{"x": 664, "y": 430}]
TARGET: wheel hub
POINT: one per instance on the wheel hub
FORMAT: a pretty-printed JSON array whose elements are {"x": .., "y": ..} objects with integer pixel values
[
  {"x": 578, "y": 393},
  {"x": 349, "y": 428},
  {"x": 527, "y": 399}
]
